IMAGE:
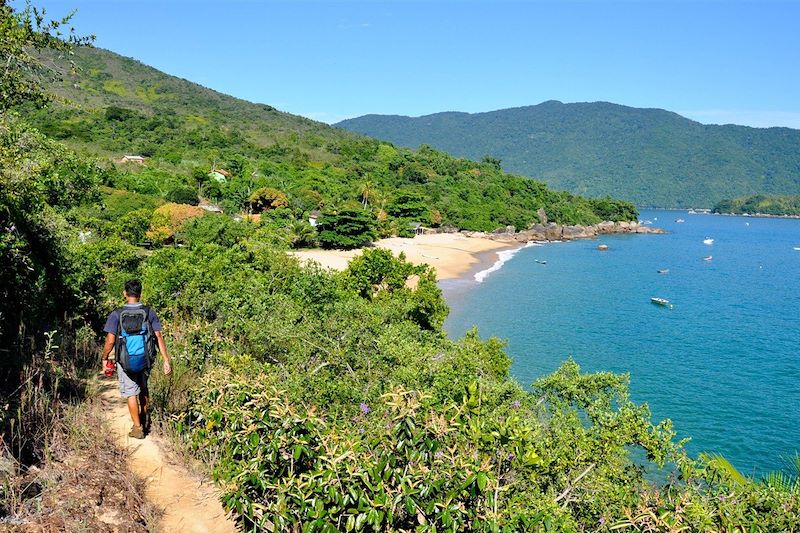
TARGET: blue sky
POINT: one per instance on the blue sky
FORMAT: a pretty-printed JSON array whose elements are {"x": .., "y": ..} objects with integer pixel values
[{"x": 716, "y": 62}]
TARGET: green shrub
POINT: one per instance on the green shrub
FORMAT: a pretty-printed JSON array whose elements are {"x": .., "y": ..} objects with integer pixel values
[
  {"x": 346, "y": 228},
  {"x": 267, "y": 198},
  {"x": 183, "y": 195},
  {"x": 217, "y": 229},
  {"x": 133, "y": 225}
]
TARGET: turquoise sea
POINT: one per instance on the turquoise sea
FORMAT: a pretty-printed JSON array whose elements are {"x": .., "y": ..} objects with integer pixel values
[{"x": 723, "y": 363}]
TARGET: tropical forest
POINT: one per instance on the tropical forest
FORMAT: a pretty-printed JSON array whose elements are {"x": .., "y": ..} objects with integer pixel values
[{"x": 311, "y": 399}]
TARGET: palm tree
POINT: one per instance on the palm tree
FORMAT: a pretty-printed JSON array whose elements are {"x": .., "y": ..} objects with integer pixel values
[
  {"x": 301, "y": 233},
  {"x": 380, "y": 199},
  {"x": 789, "y": 482},
  {"x": 366, "y": 189},
  {"x": 779, "y": 479}
]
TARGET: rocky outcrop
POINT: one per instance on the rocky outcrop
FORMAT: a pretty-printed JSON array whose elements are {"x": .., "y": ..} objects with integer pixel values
[{"x": 557, "y": 232}]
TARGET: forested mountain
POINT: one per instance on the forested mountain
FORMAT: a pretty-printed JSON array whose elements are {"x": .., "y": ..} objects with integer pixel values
[
  {"x": 760, "y": 205},
  {"x": 115, "y": 106},
  {"x": 651, "y": 157}
]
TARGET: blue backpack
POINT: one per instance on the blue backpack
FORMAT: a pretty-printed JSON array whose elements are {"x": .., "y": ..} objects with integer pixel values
[{"x": 136, "y": 343}]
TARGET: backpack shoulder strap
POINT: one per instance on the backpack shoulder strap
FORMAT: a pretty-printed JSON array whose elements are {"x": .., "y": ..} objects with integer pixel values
[
  {"x": 147, "y": 317},
  {"x": 118, "y": 311}
]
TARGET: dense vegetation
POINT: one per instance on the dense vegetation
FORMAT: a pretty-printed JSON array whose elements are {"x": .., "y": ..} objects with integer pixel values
[
  {"x": 650, "y": 157},
  {"x": 116, "y": 106},
  {"x": 335, "y": 402},
  {"x": 331, "y": 401},
  {"x": 760, "y": 205}
]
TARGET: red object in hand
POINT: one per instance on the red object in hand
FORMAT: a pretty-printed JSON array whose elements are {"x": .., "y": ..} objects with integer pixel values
[{"x": 109, "y": 370}]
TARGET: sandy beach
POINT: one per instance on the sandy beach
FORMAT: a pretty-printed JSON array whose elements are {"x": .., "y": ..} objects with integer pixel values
[{"x": 451, "y": 254}]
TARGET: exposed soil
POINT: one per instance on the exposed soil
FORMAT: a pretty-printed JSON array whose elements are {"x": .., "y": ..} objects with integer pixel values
[
  {"x": 85, "y": 485},
  {"x": 185, "y": 503}
]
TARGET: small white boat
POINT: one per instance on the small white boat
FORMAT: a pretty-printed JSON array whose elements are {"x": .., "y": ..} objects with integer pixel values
[
  {"x": 541, "y": 262},
  {"x": 602, "y": 247},
  {"x": 679, "y": 220},
  {"x": 708, "y": 258},
  {"x": 663, "y": 271},
  {"x": 646, "y": 222},
  {"x": 708, "y": 240},
  {"x": 661, "y": 301},
  {"x": 797, "y": 248}
]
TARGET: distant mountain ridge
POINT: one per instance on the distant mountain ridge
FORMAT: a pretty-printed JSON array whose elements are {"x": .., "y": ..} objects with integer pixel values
[{"x": 652, "y": 157}]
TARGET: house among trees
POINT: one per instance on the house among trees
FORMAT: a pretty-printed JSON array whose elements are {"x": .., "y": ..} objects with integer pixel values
[
  {"x": 219, "y": 175},
  {"x": 417, "y": 227},
  {"x": 132, "y": 159},
  {"x": 313, "y": 216}
]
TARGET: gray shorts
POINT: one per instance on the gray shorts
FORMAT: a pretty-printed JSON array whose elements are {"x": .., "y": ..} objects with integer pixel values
[{"x": 131, "y": 385}]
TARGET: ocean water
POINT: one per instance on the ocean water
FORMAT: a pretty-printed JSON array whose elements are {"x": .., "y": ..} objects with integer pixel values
[{"x": 723, "y": 363}]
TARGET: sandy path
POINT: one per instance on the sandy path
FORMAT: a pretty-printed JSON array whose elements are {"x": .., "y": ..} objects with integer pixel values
[{"x": 189, "y": 504}]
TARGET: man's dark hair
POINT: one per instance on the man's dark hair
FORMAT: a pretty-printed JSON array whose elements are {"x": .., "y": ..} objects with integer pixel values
[{"x": 133, "y": 288}]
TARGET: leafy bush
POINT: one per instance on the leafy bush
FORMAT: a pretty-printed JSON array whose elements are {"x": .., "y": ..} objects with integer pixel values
[
  {"x": 133, "y": 226},
  {"x": 40, "y": 181},
  {"x": 217, "y": 229},
  {"x": 346, "y": 228},
  {"x": 377, "y": 270},
  {"x": 267, "y": 198},
  {"x": 183, "y": 195},
  {"x": 169, "y": 219},
  {"x": 301, "y": 234}
]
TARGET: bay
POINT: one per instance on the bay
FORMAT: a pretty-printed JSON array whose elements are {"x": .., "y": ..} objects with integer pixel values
[{"x": 723, "y": 363}]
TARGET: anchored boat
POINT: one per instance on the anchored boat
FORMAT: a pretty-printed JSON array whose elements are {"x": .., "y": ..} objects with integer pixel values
[{"x": 661, "y": 301}]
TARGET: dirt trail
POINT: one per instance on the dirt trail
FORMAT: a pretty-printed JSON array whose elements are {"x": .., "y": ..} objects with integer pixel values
[{"x": 189, "y": 505}]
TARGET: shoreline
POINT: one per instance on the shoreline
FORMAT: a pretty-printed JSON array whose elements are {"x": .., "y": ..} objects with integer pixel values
[
  {"x": 751, "y": 215},
  {"x": 451, "y": 255},
  {"x": 464, "y": 256}
]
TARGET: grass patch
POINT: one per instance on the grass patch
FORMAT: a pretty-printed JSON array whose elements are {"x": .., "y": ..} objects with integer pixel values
[{"x": 84, "y": 483}]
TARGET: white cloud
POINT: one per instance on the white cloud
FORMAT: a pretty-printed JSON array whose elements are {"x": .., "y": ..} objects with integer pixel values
[{"x": 756, "y": 119}]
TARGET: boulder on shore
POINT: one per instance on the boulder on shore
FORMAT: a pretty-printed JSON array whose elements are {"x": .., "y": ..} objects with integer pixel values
[
  {"x": 556, "y": 232},
  {"x": 542, "y": 215}
]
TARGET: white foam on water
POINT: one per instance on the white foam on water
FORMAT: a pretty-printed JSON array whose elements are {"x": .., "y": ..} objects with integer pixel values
[{"x": 502, "y": 257}]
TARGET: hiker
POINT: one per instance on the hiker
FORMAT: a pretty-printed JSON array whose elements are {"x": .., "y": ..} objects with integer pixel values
[{"x": 134, "y": 333}]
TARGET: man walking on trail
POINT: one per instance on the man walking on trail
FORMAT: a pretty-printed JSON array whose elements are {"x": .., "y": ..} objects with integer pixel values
[{"x": 133, "y": 332}]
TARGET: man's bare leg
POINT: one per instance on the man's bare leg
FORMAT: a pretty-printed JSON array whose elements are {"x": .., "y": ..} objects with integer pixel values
[{"x": 133, "y": 408}]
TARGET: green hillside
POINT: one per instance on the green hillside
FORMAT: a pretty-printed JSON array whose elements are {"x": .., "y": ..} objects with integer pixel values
[
  {"x": 650, "y": 157},
  {"x": 760, "y": 205},
  {"x": 116, "y": 106}
]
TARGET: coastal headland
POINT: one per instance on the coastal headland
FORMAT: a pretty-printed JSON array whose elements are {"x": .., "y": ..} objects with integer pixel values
[{"x": 453, "y": 253}]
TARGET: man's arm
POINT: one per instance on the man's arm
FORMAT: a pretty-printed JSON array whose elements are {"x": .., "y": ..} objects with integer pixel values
[
  {"x": 107, "y": 348},
  {"x": 162, "y": 347}
]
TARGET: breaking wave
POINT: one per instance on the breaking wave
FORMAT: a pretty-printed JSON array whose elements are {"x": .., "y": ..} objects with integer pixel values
[{"x": 502, "y": 257}]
